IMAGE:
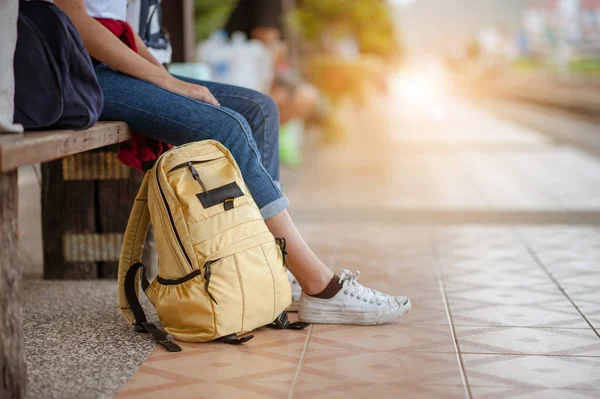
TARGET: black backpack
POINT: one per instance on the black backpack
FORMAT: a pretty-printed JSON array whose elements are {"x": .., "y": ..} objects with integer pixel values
[
  {"x": 55, "y": 83},
  {"x": 145, "y": 17}
]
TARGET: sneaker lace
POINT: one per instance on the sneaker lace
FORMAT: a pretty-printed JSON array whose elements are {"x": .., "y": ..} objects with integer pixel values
[{"x": 352, "y": 287}]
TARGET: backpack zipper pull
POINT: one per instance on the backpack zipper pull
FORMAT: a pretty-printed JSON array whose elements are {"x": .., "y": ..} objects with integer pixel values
[
  {"x": 196, "y": 175},
  {"x": 207, "y": 274},
  {"x": 281, "y": 242}
]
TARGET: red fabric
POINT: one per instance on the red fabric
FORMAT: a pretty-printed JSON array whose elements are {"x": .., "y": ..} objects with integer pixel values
[
  {"x": 140, "y": 149},
  {"x": 120, "y": 29}
]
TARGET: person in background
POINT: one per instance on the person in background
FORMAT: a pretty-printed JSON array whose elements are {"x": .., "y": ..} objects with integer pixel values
[
  {"x": 289, "y": 89},
  {"x": 139, "y": 91},
  {"x": 297, "y": 102},
  {"x": 258, "y": 19},
  {"x": 261, "y": 20}
]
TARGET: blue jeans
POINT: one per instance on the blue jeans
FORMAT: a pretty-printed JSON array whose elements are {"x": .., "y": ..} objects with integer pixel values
[{"x": 247, "y": 123}]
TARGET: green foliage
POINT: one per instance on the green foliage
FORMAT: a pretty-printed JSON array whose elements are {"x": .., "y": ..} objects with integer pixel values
[
  {"x": 590, "y": 66},
  {"x": 370, "y": 21},
  {"x": 211, "y": 15},
  {"x": 527, "y": 64}
]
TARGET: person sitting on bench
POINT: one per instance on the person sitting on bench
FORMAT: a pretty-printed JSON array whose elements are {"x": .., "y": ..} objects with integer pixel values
[{"x": 139, "y": 91}]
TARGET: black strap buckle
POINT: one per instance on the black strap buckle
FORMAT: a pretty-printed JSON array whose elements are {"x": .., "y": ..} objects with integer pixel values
[
  {"x": 298, "y": 325},
  {"x": 283, "y": 323},
  {"x": 161, "y": 337},
  {"x": 233, "y": 339},
  {"x": 170, "y": 346}
]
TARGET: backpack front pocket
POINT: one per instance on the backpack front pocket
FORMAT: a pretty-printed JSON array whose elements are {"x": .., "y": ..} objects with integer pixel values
[
  {"x": 184, "y": 309},
  {"x": 207, "y": 189},
  {"x": 243, "y": 296},
  {"x": 228, "y": 296}
]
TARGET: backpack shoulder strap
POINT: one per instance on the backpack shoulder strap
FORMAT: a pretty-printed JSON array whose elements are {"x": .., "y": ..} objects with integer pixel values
[
  {"x": 133, "y": 246},
  {"x": 129, "y": 266}
]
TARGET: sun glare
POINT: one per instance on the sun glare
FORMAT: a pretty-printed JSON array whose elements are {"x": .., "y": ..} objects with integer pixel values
[{"x": 423, "y": 88}]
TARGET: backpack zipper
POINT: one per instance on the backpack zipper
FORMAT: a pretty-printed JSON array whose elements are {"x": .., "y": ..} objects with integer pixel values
[
  {"x": 164, "y": 198},
  {"x": 186, "y": 164},
  {"x": 196, "y": 176},
  {"x": 207, "y": 275}
]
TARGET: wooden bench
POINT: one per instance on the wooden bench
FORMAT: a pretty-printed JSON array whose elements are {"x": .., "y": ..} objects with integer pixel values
[{"x": 15, "y": 151}]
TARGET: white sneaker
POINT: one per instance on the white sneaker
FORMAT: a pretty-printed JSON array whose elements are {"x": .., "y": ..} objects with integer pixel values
[
  {"x": 296, "y": 293},
  {"x": 353, "y": 304}
]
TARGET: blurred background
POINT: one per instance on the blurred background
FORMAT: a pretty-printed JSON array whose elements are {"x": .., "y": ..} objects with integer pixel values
[{"x": 318, "y": 58}]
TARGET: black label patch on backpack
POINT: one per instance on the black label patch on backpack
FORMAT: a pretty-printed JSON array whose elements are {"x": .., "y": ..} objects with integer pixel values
[{"x": 220, "y": 195}]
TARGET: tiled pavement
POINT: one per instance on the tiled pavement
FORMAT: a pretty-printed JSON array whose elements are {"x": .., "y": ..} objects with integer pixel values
[
  {"x": 502, "y": 265},
  {"x": 485, "y": 291}
]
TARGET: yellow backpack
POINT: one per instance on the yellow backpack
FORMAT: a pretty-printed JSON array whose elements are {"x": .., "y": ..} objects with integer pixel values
[{"x": 220, "y": 272}]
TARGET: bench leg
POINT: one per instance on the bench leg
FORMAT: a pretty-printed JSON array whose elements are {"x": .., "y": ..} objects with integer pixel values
[
  {"x": 84, "y": 216},
  {"x": 12, "y": 348},
  {"x": 67, "y": 207}
]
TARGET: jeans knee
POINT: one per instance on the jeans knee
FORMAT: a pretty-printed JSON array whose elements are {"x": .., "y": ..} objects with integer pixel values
[
  {"x": 234, "y": 127},
  {"x": 271, "y": 108}
]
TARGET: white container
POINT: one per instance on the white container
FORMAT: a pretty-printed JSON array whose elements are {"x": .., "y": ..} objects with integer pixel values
[
  {"x": 253, "y": 63},
  {"x": 194, "y": 70},
  {"x": 264, "y": 64},
  {"x": 217, "y": 53},
  {"x": 239, "y": 62}
]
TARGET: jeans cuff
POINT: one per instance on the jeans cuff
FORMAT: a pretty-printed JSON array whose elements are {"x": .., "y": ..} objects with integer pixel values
[{"x": 274, "y": 207}]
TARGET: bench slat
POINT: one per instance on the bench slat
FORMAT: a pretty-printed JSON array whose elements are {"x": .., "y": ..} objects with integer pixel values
[{"x": 36, "y": 147}]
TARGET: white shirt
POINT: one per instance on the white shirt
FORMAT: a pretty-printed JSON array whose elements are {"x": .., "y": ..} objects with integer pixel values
[{"x": 113, "y": 9}]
